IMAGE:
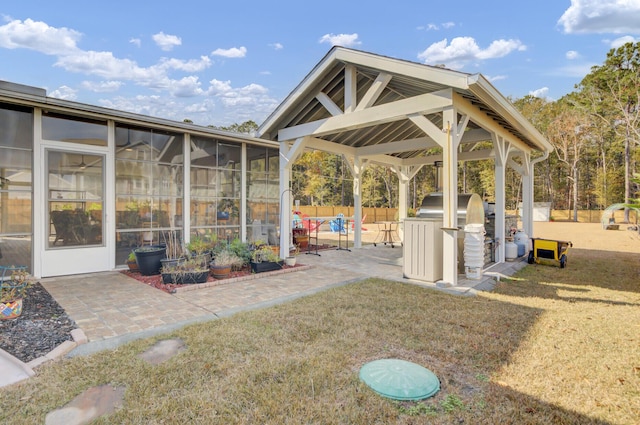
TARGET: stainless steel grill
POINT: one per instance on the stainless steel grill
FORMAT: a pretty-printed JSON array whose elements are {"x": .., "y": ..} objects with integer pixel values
[{"x": 432, "y": 207}]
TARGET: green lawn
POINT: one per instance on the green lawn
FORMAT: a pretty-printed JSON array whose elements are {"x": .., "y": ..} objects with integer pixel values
[{"x": 550, "y": 346}]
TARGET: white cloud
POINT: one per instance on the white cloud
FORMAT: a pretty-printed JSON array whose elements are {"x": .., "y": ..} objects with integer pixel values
[
  {"x": 572, "y": 55},
  {"x": 64, "y": 92},
  {"x": 621, "y": 41},
  {"x": 192, "y": 65},
  {"x": 136, "y": 42},
  {"x": 38, "y": 36},
  {"x": 102, "y": 86},
  {"x": 276, "y": 46},
  {"x": 234, "y": 52},
  {"x": 436, "y": 27},
  {"x": 601, "y": 16},
  {"x": 344, "y": 40},
  {"x": 540, "y": 93},
  {"x": 175, "y": 97},
  {"x": 496, "y": 77},
  {"x": 463, "y": 50},
  {"x": 166, "y": 42},
  {"x": 185, "y": 87},
  {"x": 105, "y": 65}
]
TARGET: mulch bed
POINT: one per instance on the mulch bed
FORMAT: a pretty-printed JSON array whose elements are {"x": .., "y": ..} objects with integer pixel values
[
  {"x": 171, "y": 288},
  {"x": 42, "y": 326}
]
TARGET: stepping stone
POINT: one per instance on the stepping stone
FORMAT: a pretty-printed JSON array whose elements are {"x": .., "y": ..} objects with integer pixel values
[
  {"x": 90, "y": 405},
  {"x": 162, "y": 351}
]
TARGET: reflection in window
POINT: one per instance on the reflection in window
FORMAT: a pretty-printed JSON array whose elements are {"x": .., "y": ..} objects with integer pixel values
[
  {"x": 215, "y": 188},
  {"x": 16, "y": 185},
  {"x": 262, "y": 194},
  {"x": 66, "y": 128},
  {"x": 149, "y": 187}
]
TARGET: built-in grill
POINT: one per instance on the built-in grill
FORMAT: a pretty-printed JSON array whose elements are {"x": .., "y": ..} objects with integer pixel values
[{"x": 432, "y": 207}]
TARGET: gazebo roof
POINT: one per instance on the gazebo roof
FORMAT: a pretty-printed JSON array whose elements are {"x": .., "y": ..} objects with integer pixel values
[{"x": 355, "y": 102}]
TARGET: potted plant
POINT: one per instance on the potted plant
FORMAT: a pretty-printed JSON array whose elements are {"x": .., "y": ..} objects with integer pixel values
[
  {"x": 174, "y": 250},
  {"x": 264, "y": 259},
  {"x": 242, "y": 251},
  {"x": 132, "y": 263},
  {"x": 199, "y": 250},
  {"x": 222, "y": 263},
  {"x": 301, "y": 237},
  {"x": 187, "y": 271},
  {"x": 291, "y": 259},
  {"x": 13, "y": 291},
  {"x": 149, "y": 258}
]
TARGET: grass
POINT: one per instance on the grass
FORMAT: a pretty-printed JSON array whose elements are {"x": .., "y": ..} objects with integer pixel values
[{"x": 549, "y": 346}]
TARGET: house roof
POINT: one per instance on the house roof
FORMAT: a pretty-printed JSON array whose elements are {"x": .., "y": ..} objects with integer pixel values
[{"x": 375, "y": 80}]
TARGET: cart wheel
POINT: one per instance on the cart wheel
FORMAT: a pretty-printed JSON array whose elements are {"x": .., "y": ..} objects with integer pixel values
[
  {"x": 530, "y": 260},
  {"x": 563, "y": 261}
]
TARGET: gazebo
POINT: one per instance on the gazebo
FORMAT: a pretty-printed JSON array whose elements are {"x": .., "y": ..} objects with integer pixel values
[{"x": 376, "y": 109}]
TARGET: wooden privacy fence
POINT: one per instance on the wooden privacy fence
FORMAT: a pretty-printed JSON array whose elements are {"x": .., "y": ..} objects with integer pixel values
[{"x": 370, "y": 215}]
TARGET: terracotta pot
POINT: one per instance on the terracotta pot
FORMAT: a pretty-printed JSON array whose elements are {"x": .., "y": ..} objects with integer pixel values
[
  {"x": 133, "y": 266},
  {"x": 302, "y": 241}
]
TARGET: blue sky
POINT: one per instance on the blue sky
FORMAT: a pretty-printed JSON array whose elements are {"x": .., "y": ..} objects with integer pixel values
[{"x": 221, "y": 63}]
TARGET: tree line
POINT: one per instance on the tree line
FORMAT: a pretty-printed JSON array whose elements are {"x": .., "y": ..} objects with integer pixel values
[{"x": 595, "y": 131}]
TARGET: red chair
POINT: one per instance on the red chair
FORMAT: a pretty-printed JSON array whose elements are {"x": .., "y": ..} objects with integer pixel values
[
  {"x": 353, "y": 227},
  {"x": 310, "y": 225}
]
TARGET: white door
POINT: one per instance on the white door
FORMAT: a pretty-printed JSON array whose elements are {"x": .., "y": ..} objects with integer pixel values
[{"x": 74, "y": 211}]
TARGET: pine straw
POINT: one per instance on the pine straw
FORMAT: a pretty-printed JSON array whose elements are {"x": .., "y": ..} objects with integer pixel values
[{"x": 552, "y": 346}]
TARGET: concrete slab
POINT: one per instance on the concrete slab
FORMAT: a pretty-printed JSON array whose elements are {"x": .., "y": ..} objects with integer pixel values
[{"x": 12, "y": 370}]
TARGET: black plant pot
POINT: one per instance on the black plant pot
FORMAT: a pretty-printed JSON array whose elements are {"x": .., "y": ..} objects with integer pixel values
[
  {"x": 148, "y": 259},
  {"x": 266, "y": 266},
  {"x": 185, "y": 277}
]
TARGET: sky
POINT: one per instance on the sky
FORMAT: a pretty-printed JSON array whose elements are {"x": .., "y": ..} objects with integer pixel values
[{"x": 220, "y": 63}]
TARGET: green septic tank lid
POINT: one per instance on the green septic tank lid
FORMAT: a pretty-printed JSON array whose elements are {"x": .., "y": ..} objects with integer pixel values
[{"x": 399, "y": 379}]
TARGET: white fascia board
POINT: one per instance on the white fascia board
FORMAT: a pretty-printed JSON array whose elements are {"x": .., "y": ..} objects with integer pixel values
[
  {"x": 486, "y": 92},
  {"x": 483, "y": 120},
  {"x": 397, "y": 147},
  {"x": 395, "y": 111},
  {"x": 446, "y": 77}
]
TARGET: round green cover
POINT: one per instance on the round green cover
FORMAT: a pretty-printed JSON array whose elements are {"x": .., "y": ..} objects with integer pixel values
[{"x": 399, "y": 379}]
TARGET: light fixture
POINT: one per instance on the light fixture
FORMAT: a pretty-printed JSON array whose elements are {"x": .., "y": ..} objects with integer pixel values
[{"x": 82, "y": 165}]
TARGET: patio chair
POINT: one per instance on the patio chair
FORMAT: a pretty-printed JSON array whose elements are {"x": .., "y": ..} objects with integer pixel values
[
  {"x": 311, "y": 225},
  {"x": 353, "y": 224},
  {"x": 337, "y": 224}
]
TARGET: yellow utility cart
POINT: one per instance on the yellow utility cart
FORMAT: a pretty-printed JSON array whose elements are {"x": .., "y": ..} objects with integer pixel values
[{"x": 549, "y": 251}]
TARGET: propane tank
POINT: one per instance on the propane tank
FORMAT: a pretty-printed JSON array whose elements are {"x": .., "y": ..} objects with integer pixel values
[
  {"x": 510, "y": 251},
  {"x": 522, "y": 240}
]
